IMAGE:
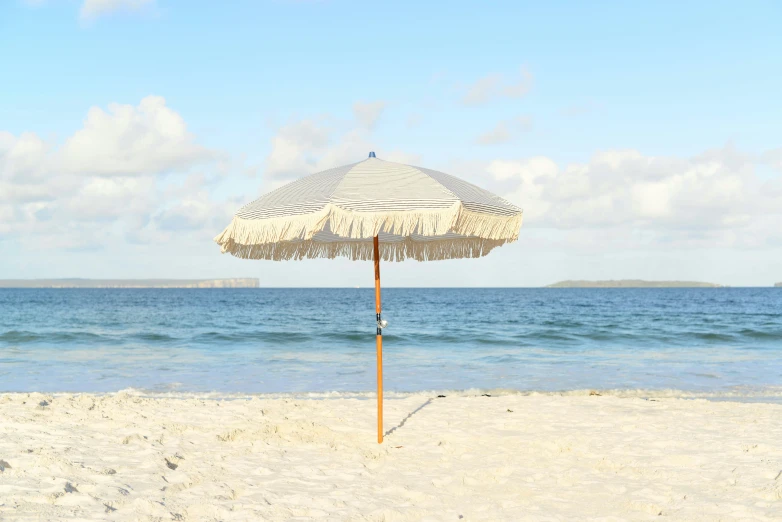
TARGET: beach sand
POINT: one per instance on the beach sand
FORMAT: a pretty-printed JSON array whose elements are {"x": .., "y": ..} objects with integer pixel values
[{"x": 513, "y": 457}]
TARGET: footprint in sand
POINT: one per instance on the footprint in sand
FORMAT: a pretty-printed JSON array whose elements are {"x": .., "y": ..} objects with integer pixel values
[{"x": 173, "y": 461}]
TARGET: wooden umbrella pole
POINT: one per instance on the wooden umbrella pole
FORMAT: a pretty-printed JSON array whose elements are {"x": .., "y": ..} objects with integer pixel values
[{"x": 379, "y": 345}]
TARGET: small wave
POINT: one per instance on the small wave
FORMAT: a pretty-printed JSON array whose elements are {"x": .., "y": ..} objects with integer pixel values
[
  {"x": 714, "y": 336},
  {"x": 560, "y": 323},
  {"x": 153, "y": 337},
  {"x": 348, "y": 336},
  {"x": 499, "y": 359},
  {"x": 548, "y": 335},
  {"x": 14, "y": 337},
  {"x": 279, "y": 338},
  {"x": 19, "y": 337},
  {"x": 602, "y": 336},
  {"x": 545, "y": 336},
  {"x": 220, "y": 337},
  {"x": 761, "y": 334},
  {"x": 706, "y": 375},
  {"x": 495, "y": 341}
]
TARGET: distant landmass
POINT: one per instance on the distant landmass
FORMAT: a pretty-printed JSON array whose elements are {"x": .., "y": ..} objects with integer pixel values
[
  {"x": 130, "y": 283},
  {"x": 632, "y": 283},
  {"x": 778, "y": 284}
]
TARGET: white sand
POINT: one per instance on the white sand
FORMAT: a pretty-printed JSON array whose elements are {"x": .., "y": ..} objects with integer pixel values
[{"x": 121, "y": 457}]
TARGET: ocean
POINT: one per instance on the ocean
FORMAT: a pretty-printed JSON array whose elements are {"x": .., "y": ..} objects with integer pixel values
[{"x": 711, "y": 342}]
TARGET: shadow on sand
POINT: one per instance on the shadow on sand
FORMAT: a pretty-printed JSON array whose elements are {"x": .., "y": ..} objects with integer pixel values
[{"x": 421, "y": 407}]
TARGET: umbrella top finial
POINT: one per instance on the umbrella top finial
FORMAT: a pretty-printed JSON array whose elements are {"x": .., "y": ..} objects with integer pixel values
[{"x": 372, "y": 155}]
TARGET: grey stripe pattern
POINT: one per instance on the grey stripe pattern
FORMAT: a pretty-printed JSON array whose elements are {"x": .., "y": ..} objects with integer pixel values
[
  {"x": 416, "y": 213},
  {"x": 303, "y": 196},
  {"x": 472, "y": 197}
]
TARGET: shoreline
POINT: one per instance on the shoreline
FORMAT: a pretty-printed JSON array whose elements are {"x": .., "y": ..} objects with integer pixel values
[{"x": 772, "y": 394}]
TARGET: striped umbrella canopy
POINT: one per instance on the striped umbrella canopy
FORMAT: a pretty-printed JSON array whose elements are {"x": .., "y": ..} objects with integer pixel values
[{"x": 373, "y": 209}]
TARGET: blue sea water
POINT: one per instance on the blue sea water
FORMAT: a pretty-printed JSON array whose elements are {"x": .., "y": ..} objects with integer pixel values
[{"x": 714, "y": 342}]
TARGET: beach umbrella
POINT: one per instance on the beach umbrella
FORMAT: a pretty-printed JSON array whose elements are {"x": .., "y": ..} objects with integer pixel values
[{"x": 373, "y": 209}]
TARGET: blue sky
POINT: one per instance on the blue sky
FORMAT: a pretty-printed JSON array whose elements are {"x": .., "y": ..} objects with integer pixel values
[{"x": 642, "y": 140}]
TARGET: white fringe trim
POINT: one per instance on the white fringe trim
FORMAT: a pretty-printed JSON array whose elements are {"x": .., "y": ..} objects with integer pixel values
[
  {"x": 363, "y": 250},
  {"x": 291, "y": 237}
]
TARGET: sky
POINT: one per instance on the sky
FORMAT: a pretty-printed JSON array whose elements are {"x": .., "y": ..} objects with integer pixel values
[{"x": 642, "y": 139}]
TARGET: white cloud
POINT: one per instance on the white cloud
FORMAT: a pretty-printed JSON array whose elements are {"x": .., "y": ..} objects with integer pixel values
[
  {"x": 499, "y": 134},
  {"x": 122, "y": 176},
  {"x": 26, "y": 164},
  {"x": 127, "y": 140},
  {"x": 521, "y": 86},
  {"x": 294, "y": 148},
  {"x": 368, "y": 113},
  {"x": 110, "y": 198},
  {"x": 715, "y": 192},
  {"x": 21, "y": 158},
  {"x": 307, "y": 146},
  {"x": 494, "y": 86},
  {"x": 773, "y": 158},
  {"x": 531, "y": 176},
  {"x": 399, "y": 156},
  {"x": 132, "y": 180},
  {"x": 196, "y": 211},
  {"x": 482, "y": 90},
  {"x": 528, "y": 170},
  {"x": 92, "y": 9},
  {"x": 414, "y": 120},
  {"x": 504, "y": 131}
]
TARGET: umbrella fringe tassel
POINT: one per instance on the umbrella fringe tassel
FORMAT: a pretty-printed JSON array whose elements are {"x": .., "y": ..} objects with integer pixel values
[{"x": 293, "y": 237}]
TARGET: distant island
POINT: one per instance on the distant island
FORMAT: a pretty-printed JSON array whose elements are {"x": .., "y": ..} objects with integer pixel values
[
  {"x": 130, "y": 283},
  {"x": 778, "y": 284},
  {"x": 632, "y": 283}
]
